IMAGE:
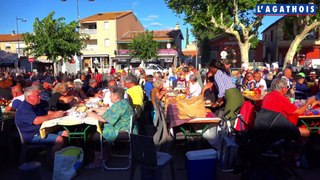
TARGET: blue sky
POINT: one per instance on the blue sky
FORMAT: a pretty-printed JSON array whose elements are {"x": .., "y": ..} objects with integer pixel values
[{"x": 153, "y": 14}]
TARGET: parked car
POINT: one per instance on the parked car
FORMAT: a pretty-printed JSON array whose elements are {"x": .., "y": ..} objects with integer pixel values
[{"x": 152, "y": 68}]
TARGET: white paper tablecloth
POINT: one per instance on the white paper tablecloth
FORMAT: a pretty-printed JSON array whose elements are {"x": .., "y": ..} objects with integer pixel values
[{"x": 67, "y": 121}]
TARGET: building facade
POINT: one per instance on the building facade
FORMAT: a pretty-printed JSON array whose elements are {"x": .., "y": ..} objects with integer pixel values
[
  {"x": 278, "y": 44},
  {"x": 12, "y": 55},
  {"x": 229, "y": 44},
  {"x": 170, "y": 47},
  {"x": 190, "y": 54},
  {"x": 105, "y": 30}
]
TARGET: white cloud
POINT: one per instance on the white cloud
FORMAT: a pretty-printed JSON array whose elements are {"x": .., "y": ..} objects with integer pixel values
[
  {"x": 146, "y": 19},
  {"x": 154, "y": 24},
  {"x": 153, "y": 16}
]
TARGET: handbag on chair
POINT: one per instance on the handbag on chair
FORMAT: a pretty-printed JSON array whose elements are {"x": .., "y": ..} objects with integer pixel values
[{"x": 193, "y": 107}]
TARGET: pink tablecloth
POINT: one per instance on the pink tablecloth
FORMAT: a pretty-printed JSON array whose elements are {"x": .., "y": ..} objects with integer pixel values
[{"x": 172, "y": 116}]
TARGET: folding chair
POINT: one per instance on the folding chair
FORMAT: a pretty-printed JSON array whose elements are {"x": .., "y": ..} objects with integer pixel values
[
  {"x": 25, "y": 148},
  {"x": 123, "y": 137},
  {"x": 144, "y": 153}
]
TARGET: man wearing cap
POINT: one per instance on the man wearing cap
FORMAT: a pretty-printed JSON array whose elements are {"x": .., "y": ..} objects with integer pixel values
[
  {"x": 47, "y": 89},
  {"x": 302, "y": 90}
]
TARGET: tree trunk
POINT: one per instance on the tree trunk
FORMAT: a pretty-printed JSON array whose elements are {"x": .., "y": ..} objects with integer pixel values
[
  {"x": 244, "y": 50},
  {"x": 297, "y": 40},
  {"x": 292, "y": 49}
]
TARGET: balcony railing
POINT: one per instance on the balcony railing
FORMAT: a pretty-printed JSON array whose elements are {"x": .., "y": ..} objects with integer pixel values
[
  {"x": 88, "y": 31},
  {"x": 91, "y": 48}
]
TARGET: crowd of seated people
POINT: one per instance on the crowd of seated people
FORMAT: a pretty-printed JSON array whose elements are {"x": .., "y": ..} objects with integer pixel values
[{"x": 62, "y": 92}]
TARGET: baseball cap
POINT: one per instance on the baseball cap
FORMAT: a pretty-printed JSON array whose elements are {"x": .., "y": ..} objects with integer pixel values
[{"x": 302, "y": 74}]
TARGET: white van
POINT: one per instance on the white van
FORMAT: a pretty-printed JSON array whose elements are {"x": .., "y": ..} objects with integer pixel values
[{"x": 314, "y": 63}]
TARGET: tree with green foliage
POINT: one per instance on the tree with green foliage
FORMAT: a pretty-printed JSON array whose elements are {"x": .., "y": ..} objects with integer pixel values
[
  {"x": 54, "y": 38},
  {"x": 234, "y": 17},
  {"x": 297, "y": 28},
  {"x": 203, "y": 37},
  {"x": 144, "y": 47}
]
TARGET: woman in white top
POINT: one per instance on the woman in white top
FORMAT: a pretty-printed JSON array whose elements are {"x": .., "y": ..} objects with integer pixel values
[{"x": 194, "y": 87}]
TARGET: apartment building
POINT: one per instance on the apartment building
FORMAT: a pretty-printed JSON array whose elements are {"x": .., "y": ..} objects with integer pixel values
[
  {"x": 12, "y": 55},
  {"x": 105, "y": 29},
  {"x": 278, "y": 44}
]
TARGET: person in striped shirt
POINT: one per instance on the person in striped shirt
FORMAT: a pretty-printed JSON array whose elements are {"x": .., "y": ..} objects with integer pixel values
[{"x": 228, "y": 93}]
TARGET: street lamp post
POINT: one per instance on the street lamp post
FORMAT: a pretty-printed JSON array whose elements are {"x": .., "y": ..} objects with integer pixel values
[
  {"x": 17, "y": 26},
  {"x": 78, "y": 17}
]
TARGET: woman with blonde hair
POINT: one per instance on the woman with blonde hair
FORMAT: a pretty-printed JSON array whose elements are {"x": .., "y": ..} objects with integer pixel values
[{"x": 60, "y": 100}]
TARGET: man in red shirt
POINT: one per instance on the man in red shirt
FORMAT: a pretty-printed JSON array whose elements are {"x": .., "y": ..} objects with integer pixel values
[{"x": 277, "y": 101}]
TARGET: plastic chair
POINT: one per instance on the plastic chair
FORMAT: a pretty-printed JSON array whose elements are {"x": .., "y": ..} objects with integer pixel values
[
  {"x": 144, "y": 153},
  {"x": 123, "y": 137},
  {"x": 25, "y": 148}
]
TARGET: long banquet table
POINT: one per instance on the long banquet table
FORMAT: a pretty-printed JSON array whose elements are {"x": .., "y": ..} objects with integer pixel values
[
  {"x": 69, "y": 120},
  {"x": 175, "y": 121},
  {"x": 312, "y": 122}
]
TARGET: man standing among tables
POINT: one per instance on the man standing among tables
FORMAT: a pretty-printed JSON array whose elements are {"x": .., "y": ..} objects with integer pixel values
[{"x": 30, "y": 116}]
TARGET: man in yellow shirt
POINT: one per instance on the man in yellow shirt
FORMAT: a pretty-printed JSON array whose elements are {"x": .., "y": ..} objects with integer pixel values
[{"x": 135, "y": 93}]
